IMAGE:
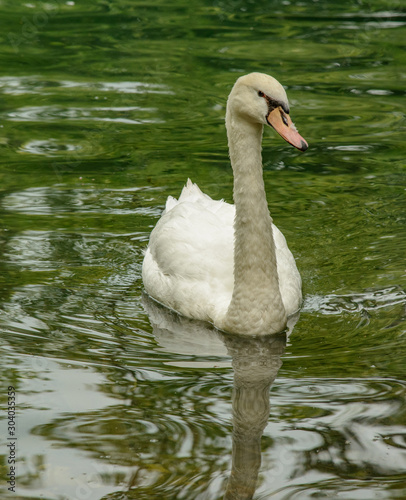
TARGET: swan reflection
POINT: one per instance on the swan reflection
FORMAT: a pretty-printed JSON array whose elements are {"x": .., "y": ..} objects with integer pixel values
[{"x": 255, "y": 361}]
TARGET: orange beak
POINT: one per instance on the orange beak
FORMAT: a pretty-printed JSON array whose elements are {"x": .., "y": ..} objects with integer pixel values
[{"x": 282, "y": 123}]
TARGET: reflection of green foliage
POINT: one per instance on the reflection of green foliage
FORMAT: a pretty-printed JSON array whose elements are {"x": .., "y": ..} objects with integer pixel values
[{"x": 106, "y": 108}]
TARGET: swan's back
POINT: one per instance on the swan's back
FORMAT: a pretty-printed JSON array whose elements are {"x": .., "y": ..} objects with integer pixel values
[{"x": 188, "y": 265}]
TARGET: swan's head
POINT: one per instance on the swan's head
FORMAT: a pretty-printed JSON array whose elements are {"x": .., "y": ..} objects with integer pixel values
[{"x": 260, "y": 98}]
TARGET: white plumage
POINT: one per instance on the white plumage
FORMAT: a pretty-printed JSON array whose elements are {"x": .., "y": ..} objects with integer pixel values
[{"x": 211, "y": 261}]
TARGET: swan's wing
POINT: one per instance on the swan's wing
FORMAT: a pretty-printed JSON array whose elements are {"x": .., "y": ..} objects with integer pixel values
[{"x": 189, "y": 262}]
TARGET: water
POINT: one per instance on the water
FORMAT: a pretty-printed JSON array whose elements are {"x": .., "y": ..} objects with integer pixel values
[{"x": 107, "y": 108}]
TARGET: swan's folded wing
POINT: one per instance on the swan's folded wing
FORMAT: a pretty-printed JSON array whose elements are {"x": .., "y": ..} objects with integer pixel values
[
  {"x": 189, "y": 261},
  {"x": 193, "y": 242}
]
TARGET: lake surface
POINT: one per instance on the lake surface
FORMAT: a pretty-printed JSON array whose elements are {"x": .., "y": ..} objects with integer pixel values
[{"x": 106, "y": 108}]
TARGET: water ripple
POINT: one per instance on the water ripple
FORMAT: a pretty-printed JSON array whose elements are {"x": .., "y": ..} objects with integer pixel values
[
  {"x": 329, "y": 429},
  {"x": 15, "y": 85},
  {"x": 311, "y": 390},
  {"x": 355, "y": 303},
  {"x": 49, "y": 147},
  {"x": 51, "y": 200},
  {"x": 132, "y": 115}
]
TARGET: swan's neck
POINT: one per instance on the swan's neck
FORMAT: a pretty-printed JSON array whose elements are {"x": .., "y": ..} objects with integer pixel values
[{"x": 256, "y": 306}]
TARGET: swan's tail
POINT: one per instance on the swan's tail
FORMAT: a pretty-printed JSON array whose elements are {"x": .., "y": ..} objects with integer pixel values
[{"x": 190, "y": 193}]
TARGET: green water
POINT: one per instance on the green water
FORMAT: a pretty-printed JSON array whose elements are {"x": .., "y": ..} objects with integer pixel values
[{"x": 106, "y": 108}]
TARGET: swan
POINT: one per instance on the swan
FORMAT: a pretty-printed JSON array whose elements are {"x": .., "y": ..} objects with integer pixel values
[{"x": 229, "y": 264}]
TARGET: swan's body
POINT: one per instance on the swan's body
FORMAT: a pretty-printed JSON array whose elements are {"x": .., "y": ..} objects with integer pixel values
[{"x": 228, "y": 264}]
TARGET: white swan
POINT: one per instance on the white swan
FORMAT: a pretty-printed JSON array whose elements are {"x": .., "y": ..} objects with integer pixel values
[{"x": 228, "y": 264}]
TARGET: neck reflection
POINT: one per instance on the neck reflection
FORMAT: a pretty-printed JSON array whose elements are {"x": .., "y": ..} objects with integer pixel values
[{"x": 255, "y": 361}]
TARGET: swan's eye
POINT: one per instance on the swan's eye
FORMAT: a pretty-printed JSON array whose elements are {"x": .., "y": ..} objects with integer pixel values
[{"x": 260, "y": 93}]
